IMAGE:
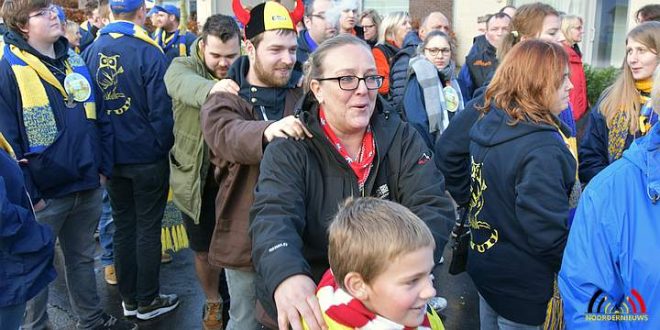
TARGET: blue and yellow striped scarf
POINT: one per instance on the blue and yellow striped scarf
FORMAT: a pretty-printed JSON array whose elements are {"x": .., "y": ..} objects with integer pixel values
[
  {"x": 176, "y": 39},
  {"x": 38, "y": 116},
  {"x": 118, "y": 29}
]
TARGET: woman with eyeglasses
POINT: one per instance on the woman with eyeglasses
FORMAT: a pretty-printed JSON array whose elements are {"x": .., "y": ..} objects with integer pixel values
[
  {"x": 370, "y": 21},
  {"x": 359, "y": 148},
  {"x": 432, "y": 95}
]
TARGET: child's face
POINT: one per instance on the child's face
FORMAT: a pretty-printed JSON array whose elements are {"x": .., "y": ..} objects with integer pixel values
[{"x": 401, "y": 292}]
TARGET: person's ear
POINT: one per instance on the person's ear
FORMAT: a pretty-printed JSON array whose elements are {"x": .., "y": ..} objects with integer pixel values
[
  {"x": 356, "y": 286},
  {"x": 250, "y": 50},
  {"x": 315, "y": 87}
]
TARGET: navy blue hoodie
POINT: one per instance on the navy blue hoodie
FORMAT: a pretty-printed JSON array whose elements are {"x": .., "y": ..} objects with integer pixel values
[{"x": 521, "y": 179}]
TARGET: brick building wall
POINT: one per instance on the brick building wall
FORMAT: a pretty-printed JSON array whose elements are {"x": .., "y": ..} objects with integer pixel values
[{"x": 420, "y": 8}]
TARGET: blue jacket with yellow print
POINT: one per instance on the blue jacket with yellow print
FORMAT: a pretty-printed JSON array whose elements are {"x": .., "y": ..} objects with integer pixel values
[{"x": 128, "y": 71}]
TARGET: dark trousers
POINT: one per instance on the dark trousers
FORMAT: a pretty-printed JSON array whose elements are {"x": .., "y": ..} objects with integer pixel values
[{"x": 138, "y": 194}]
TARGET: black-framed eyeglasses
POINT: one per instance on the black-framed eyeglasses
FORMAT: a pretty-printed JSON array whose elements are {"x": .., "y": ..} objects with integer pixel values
[
  {"x": 351, "y": 83},
  {"x": 435, "y": 51},
  {"x": 45, "y": 11}
]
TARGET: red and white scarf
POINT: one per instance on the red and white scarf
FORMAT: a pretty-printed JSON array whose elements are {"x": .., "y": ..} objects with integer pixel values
[
  {"x": 360, "y": 166},
  {"x": 342, "y": 308}
]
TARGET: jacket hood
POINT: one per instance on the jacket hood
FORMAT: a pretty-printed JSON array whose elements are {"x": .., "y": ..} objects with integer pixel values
[
  {"x": 384, "y": 122},
  {"x": 61, "y": 47},
  {"x": 644, "y": 153},
  {"x": 493, "y": 128},
  {"x": 411, "y": 40}
]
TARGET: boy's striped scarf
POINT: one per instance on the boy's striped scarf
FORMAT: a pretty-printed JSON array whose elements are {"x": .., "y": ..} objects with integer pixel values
[
  {"x": 347, "y": 311},
  {"x": 176, "y": 39},
  {"x": 38, "y": 116},
  {"x": 118, "y": 29}
]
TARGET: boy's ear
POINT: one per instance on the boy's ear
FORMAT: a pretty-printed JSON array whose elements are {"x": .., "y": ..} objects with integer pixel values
[{"x": 356, "y": 286}]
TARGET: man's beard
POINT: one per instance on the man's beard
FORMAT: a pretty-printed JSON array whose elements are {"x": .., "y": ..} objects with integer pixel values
[{"x": 268, "y": 77}]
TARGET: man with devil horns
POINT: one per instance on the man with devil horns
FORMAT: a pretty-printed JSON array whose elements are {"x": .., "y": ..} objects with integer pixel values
[{"x": 236, "y": 129}]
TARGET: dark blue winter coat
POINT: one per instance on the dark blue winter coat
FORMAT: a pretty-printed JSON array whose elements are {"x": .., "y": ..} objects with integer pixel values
[
  {"x": 26, "y": 247},
  {"x": 72, "y": 163},
  {"x": 399, "y": 67},
  {"x": 129, "y": 75},
  {"x": 521, "y": 179}
]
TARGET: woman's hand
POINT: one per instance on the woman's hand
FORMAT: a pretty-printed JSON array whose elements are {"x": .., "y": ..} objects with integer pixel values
[{"x": 295, "y": 298}]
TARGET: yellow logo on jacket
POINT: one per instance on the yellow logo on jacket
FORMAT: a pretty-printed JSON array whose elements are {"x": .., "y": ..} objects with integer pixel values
[
  {"x": 477, "y": 188},
  {"x": 107, "y": 78}
]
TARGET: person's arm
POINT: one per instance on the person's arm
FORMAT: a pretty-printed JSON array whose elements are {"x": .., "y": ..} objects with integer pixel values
[
  {"x": 277, "y": 224},
  {"x": 589, "y": 263},
  {"x": 185, "y": 85},
  {"x": 453, "y": 152},
  {"x": 542, "y": 184},
  {"x": 421, "y": 188},
  {"x": 593, "y": 154},
  {"x": 10, "y": 125},
  {"x": 159, "y": 103},
  {"x": 12, "y": 216},
  {"x": 465, "y": 82}
]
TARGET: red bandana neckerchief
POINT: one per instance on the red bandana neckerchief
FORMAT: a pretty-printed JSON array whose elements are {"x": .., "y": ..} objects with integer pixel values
[
  {"x": 342, "y": 308},
  {"x": 361, "y": 166}
]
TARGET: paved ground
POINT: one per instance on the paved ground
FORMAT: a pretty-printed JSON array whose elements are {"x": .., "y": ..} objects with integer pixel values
[{"x": 179, "y": 277}]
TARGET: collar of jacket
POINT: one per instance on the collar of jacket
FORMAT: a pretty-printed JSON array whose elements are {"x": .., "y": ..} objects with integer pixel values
[
  {"x": 384, "y": 124},
  {"x": 198, "y": 57}
]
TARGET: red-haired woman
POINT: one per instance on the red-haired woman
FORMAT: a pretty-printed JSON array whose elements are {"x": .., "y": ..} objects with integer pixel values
[{"x": 523, "y": 174}]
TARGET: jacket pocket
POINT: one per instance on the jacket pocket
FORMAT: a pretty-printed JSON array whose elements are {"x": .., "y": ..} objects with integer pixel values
[{"x": 63, "y": 162}]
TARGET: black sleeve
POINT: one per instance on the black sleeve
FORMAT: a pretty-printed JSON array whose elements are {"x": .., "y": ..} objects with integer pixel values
[
  {"x": 421, "y": 188},
  {"x": 453, "y": 152},
  {"x": 593, "y": 154},
  {"x": 278, "y": 214}
]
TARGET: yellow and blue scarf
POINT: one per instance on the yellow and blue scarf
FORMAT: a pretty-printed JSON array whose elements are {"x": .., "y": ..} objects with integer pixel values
[
  {"x": 176, "y": 39},
  {"x": 118, "y": 29},
  {"x": 38, "y": 116},
  {"x": 620, "y": 125}
]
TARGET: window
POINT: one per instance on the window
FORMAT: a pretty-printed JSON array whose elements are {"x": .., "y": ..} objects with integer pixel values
[{"x": 383, "y": 7}]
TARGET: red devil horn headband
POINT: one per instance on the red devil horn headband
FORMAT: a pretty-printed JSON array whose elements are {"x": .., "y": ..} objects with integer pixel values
[{"x": 244, "y": 15}]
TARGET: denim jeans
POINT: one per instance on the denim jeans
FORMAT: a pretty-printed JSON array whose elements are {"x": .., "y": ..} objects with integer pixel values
[
  {"x": 73, "y": 219},
  {"x": 138, "y": 194},
  {"x": 490, "y": 320},
  {"x": 243, "y": 300},
  {"x": 106, "y": 231},
  {"x": 11, "y": 316}
]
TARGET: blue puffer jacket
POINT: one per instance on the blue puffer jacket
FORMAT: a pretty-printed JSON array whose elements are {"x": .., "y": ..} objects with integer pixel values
[
  {"x": 613, "y": 245},
  {"x": 399, "y": 70},
  {"x": 26, "y": 247}
]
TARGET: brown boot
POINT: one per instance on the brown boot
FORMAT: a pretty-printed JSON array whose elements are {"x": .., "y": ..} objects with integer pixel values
[
  {"x": 212, "y": 316},
  {"x": 110, "y": 275}
]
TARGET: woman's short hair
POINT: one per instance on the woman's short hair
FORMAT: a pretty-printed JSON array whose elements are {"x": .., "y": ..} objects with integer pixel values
[
  {"x": 623, "y": 95},
  {"x": 314, "y": 66},
  {"x": 518, "y": 90},
  {"x": 567, "y": 23},
  {"x": 390, "y": 24},
  {"x": 367, "y": 234},
  {"x": 648, "y": 13},
  {"x": 528, "y": 22},
  {"x": 71, "y": 27}
]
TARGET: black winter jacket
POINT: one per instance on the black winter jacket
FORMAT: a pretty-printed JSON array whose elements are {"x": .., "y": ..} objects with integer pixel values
[{"x": 302, "y": 183}]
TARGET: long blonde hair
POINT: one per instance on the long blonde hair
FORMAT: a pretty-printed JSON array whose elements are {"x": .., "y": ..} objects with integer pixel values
[{"x": 623, "y": 95}]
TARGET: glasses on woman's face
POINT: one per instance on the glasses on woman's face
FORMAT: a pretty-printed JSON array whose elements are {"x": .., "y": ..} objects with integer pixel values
[
  {"x": 45, "y": 11},
  {"x": 436, "y": 51},
  {"x": 351, "y": 83}
]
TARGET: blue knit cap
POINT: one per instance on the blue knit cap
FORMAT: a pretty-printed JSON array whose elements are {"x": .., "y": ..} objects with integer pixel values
[{"x": 125, "y": 6}]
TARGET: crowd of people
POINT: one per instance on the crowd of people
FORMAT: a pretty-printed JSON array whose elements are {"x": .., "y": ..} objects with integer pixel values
[{"x": 321, "y": 160}]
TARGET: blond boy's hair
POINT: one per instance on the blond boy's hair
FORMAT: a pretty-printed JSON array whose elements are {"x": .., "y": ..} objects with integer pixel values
[{"x": 369, "y": 233}]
